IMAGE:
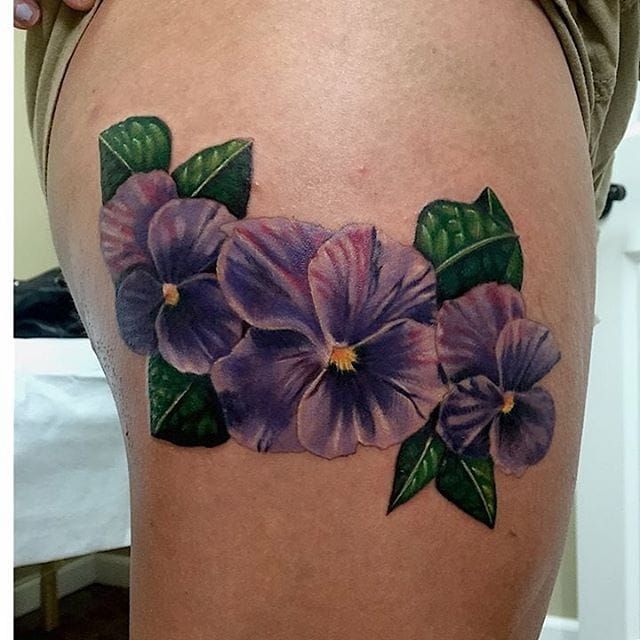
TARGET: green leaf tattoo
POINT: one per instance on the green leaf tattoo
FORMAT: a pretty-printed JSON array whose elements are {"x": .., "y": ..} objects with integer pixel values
[
  {"x": 222, "y": 173},
  {"x": 184, "y": 407},
  {"x": 469, "y": 484},
  {"x": 417, "y": 464},
  {"x": 469, "y": 243},
  {"x": 136, "y": 145}
]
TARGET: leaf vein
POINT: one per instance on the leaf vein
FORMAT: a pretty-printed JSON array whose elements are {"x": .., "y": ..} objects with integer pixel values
[
  {"x": 472, "y": 248},
  {"x": 219, "y": 168},
  {"x": 115, "y": 153}
]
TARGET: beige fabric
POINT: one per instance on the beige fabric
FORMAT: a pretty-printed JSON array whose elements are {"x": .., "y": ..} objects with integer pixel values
[
  {"x": 49, "y": 48},
  {"x": 601, "y": 41},
  {"x": 600, "y": 38}
]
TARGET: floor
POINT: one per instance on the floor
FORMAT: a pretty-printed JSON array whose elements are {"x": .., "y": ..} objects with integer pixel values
[{"x": 95, "y": 613}]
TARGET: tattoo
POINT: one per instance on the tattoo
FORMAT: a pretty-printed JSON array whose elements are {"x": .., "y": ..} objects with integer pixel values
[{"x": 287, "y": 337}]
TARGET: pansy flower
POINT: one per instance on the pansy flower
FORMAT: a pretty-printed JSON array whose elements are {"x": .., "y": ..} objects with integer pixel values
[
  {"x": 494, "y": 358},
  {"x": 341, "y": 345},
  {"x": 161, "y": 252}
]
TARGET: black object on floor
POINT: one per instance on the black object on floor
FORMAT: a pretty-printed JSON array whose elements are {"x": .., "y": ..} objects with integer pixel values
[
  {"x": 43, "y": 308},
  {"x": 94, "y": 613}
]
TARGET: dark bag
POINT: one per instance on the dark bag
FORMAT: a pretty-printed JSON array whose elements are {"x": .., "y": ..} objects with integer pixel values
[{"x": 43, "y": 308}]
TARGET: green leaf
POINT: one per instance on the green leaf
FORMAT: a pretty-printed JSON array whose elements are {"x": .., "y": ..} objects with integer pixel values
[
  {"x": 417, "y": 463},
  {"x": 469, "y": 244},
  {"x": 138, "y": 144},
  {"x": 222, "y": 173},
  {"x": 469, "y": 484},
  {"x": 183, "y": 407}
]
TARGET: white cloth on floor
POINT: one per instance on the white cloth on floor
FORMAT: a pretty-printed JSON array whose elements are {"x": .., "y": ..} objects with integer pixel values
[{"x": 71, "y": 484}]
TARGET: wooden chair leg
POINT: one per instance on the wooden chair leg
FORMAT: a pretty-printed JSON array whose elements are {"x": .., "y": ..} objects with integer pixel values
[{"x": 49, "y": 595}]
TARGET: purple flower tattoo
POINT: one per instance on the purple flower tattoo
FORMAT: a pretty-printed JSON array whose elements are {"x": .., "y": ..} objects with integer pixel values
[
  {"x": 494, "y": 358},
  {"x": 341, "y": 345},
  {"x": 306, "y": 339},
  {"x": 161, "y": 252}
]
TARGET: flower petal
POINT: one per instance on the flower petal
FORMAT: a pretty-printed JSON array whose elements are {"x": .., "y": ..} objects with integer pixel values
[
  {"x": 124, "y": 220},
  {"x": 469, "y": 326},
  {"x": 260, "y": 385},
  {"x": 523, "y": 436},
  {"x": 393, "y": 389},
  {"x": 466, "y": 414},
  {"x": 403, "y": 355},
  {"x": 138, "y": 302},
  {"x": 526, "y": 352},
  {"x": 362, "y": 280},
  {"x": 263, "y": 273},
  {"x": 185, "y": 237},
  {"x": 200, "y": 328}
]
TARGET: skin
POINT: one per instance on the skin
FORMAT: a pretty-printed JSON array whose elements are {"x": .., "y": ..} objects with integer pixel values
[
  {"x": 361, "y": 112},
  {"x": 27, "y": 13}
]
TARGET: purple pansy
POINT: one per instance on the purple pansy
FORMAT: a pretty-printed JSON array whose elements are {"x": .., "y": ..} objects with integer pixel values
[
  {"x": 494, "y": 358},
  {"x": 161, "y": 252},
  {"x": 341, "y": 347}
]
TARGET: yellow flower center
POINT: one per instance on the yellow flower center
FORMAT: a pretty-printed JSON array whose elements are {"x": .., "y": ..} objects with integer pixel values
[
  {"x": 171, "y": 294},
  {"x": 509, "y": 401},
  {"x": 343, "y": 358}
]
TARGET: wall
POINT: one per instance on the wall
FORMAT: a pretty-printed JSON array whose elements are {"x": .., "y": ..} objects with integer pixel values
[
  {"x": 564, "y": 601},
  {"x": 33, "y": 247},
  {"x": 34, "y": 253}
]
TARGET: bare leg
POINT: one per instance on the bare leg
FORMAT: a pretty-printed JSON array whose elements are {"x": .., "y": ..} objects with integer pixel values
[{"x": 360, "y": 112}]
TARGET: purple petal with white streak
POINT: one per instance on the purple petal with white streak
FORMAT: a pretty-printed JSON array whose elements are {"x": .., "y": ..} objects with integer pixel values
[
  {"x": 124, "y": 220},
  {"x": 526, "y": 352},
  {"x": 523, "y": 436},
  {"x": 403, "y": 355},
  {"x": 466, "y": 414},
  {"x": 263, "y": 271},
  {"x": 198, "y": 330},
  {"x": 185, "y": 237},
  {"x": 260, "y": 385},
  {"x": 362, "y": 280},
  {"x": 387, "y": 398},
  {"x": 138, "y": 301},
  {"x": 469, "y": 326}
]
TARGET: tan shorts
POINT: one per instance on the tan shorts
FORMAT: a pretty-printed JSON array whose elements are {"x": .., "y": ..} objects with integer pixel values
[{"x": 600, "y": 38}]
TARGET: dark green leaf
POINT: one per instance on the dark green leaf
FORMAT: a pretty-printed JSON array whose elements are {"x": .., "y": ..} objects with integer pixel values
[
  {"x": 222, "y": 173},
  {"x": 469, "y": 243},
  {"x": 138, "y": 144},
  {"x": 469, "y": 484},
  {"x": 417, "y": 463},
  {"x": 184, "y": 408}
]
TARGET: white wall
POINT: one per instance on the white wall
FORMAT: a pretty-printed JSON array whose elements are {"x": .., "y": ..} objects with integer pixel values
[{"x": 33, "y": 248}]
